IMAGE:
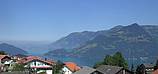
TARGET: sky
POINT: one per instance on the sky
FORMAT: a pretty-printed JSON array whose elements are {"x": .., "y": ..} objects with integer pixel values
[{"x": 49, "y": 20}]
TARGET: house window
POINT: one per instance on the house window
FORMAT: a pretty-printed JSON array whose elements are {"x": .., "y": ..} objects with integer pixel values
[
  {"x": 38, "y": 64},
  {"x": 35, "y": 63}
]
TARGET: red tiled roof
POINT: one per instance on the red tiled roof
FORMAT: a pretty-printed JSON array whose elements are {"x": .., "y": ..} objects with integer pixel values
[
  {"x": 27, "y": 59},
  {"x": 72, "y": 66},
  {"x": 40, "y": 67},
  {"x": 155, "y": 72},
  {"x": 2, "y": 56},
  {"x": 31, "y": 58}
]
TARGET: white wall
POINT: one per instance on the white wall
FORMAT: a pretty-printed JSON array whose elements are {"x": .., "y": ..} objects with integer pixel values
[
  {"x": 38, "y": 64},
  {"x": 8, "y": 62},
  {"x": 66, "y": 71},
  {"x": 49, "y": 71}
]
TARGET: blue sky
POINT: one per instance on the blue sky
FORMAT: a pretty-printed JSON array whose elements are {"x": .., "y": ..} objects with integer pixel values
[{"x": 49, "y": 20}]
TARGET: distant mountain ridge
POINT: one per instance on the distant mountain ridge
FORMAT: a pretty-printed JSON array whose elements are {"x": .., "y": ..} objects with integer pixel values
[
  {"x": 129, "y": 39},
  {"x": 73, "y": 40},
  {"x": 77, "y": 39},
  {"x": 10, "y": 49},
  {"x": 32, "y": 47},
  {"x": 132, "y": 40}
]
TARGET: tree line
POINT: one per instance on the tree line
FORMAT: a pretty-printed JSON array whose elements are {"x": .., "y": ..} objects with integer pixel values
[{"x": 115, "y": 60}]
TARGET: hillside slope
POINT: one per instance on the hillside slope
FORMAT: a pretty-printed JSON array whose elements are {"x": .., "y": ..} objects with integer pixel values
[{"x": 10, "y": 49}]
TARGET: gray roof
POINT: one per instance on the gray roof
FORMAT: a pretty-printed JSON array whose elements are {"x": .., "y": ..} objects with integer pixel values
[
  {"x": 106, "y": 69},
  {"x": 85, "y": 70},
  {"x": 148, "y": 65}
]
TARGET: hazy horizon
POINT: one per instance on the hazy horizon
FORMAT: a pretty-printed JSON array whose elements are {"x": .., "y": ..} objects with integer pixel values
[{"x": 49, "y": 20}]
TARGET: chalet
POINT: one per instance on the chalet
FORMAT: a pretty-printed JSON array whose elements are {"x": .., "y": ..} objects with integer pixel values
[
  {"x": 106, "y": 69},
  {"x": 37, "y": 64},
  {"x": 5, "y": 59},
  {"x": 5, "y": 62},
  {"x": 146, "y": 68},
  {"x": 70, "y": 67}
]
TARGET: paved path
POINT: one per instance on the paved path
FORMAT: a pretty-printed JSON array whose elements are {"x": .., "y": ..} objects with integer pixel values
[{"x": 14, "y": 73}]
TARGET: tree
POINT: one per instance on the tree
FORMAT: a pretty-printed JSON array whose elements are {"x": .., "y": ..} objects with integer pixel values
[
  {"x": 140, "y": 69},
  {"x": 156, "y": 66},
  {"x": 18, "y": 67},
  {"x": 116, "y": 60},
  {"x": 119, "y": 60},
  {"x": 97, "y": 64},
  {"x": 132, "y": 69},
  {"x": 108, "y": 60},
  {"x": 58, "y": 67},
  {"x": 2, "y": 53}
]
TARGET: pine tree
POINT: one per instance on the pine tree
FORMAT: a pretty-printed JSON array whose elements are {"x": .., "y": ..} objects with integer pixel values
[
  {"x": 132, "y": 68},
  {"x": 156, "y": 66},
  {"x": 58, "y": 67},
  {"x": 119, "y": 60},
  {"x": 2, "y": 53},
  {"x": 108, "y": 60}
]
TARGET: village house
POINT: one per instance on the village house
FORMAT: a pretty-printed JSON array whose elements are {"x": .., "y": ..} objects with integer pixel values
[
  {"x": 5, "y": 62},
  {"x": 107, "y": 69},
  {"x": 146, "y": 68},
  {"x": 37, "y": 64},
  {"x": 70, "y": 67}
]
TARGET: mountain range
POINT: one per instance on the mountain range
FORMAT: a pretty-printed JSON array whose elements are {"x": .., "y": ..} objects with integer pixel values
[
  {"x": 11, "y": 50},
  {"x": 132, "y": 41},
  {"x": 32, "y": 47}
]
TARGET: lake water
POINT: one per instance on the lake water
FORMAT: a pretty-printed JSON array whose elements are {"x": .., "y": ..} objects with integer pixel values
[
  {"x": 79, "y": 61},
  {"x": 91, "y": 61}
]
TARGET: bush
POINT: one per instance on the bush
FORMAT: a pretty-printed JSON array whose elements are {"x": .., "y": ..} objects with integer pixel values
[{"x": 18, "y": 67}]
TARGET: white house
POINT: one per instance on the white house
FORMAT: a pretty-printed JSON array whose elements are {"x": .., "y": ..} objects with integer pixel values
[
  {"x": 5, "y": 62},
  {"x": 5, "y": 59},
  {"x": 38, "y": 65},
  {"x": 66, "y": 70},
  {"x": 70, "y": 68}
]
